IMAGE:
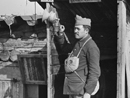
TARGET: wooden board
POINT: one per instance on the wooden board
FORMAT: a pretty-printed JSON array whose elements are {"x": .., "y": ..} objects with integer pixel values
[
  {"x": 32, "y": 91},
  {"x": 128, "y": 59},
  {"x": 83, "y": 1},
  {"x": 33, "y": 68},
  {"x": 9, "y": 89}
]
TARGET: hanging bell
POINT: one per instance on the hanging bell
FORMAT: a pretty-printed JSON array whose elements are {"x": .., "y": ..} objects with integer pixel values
[
  {"x": 52, "y": 16},
  {"x": 46, "y": 14},
  {"x": 9, "y": 20}
]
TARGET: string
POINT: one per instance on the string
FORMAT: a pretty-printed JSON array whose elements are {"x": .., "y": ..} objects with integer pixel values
[
  {"x": 83, "y": 46},
  {"x": 66, "y": 38},
  {"x": 10, "y": 30},
  {"x": 80, "y": 48}
]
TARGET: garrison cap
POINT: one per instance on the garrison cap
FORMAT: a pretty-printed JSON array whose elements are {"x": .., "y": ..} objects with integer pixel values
[{"x": 82, "y": 21}]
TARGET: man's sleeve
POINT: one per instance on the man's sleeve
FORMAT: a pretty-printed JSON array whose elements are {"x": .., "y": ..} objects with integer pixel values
[
  {"x": 62, "y": 45},
  {"x": 60, "y": 39},
  {"x": 93, "y": 56}
]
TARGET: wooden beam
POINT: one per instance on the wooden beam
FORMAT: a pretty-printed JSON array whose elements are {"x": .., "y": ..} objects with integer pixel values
[
  {"x": 49, "y": 75},
  {"x": 70, "y": 1},
  {"x": 83, "y": 1},
  {"x": 42, "y": 1},
  {"x": 128, "y": 59},
  {"x": 79, "y": 1}
]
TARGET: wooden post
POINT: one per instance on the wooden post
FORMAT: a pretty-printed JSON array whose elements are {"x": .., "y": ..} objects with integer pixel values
[
  {"x": 121, "y": 50},
  {"x": 128, "y": 59},
  {"x": 49, "y": 75}
]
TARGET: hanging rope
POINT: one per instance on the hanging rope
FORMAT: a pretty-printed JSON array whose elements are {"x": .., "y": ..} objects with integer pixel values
[{"x": 9, "y": 21}]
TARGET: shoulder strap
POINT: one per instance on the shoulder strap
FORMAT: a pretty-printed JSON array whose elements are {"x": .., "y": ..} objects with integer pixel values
[
  {"x": 79, "y": 77},
  {"x": 80, "y": 48},
  {"x": 83, "y": 46}
]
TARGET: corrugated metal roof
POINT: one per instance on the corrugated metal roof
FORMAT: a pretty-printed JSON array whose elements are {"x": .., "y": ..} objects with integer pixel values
[
  {"x": 98, "y": 12},
  {"x": 19, "y": 7}
]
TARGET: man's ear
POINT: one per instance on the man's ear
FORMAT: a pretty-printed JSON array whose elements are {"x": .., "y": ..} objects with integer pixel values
[{"x": 86, "y": 29}]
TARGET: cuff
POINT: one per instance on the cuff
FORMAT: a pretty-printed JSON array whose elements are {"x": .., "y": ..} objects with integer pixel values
[{"x": 89, "y": 87}]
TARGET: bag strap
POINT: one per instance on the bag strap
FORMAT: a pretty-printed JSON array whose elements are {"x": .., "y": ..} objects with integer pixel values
[
  {"x": 79, "y": 77},
  {"x": 77, "y": 74},
  {"x": 80, "y": 48},
  {"x": 83, "y": 46},
  {"x": 78, "y": 55}
]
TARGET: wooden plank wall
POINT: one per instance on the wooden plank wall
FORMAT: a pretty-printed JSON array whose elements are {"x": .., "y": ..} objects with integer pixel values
[
  {"x": 33, "y": 68},
  {"x": 9, "y": 70},
  {"x": 5, "y": 90},
  {"x": 10, "y": 82}
]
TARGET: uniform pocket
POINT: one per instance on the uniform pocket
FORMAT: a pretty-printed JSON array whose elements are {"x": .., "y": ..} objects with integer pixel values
[{"x": 76, "y": 86}]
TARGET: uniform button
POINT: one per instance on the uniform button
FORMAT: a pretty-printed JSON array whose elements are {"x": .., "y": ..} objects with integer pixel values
[{"x": 74, "y": 49}]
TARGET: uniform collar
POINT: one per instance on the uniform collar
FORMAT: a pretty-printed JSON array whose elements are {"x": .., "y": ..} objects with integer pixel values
[
  {"x": 81, "y": 42},
  {"x": 84, "y": 39}
]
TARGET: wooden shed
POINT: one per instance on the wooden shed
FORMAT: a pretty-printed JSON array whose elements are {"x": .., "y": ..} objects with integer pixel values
[{"x": 19, "y": 36}]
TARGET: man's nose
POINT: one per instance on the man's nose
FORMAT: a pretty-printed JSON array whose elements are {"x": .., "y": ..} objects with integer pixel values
[{"x": 75, "y": 30}]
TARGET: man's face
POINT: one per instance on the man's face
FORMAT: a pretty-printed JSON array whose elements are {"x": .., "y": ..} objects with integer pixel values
[{"x": 80, "y": 32}]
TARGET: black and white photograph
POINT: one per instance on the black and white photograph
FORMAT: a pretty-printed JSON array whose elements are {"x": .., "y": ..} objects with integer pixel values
[{"x": 64, "y": 48}]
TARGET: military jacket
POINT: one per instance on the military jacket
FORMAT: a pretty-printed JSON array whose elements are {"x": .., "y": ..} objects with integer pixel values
[{"x": 88, "y": 70}]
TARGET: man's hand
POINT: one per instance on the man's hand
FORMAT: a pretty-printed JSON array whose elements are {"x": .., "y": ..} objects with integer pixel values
[{"x": 86, "y": 95}]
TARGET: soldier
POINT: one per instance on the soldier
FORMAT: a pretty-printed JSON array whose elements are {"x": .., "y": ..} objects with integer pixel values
[{"x": 82, "y": 65}]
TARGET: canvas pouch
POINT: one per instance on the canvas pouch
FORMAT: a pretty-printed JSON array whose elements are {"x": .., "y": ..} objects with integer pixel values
[{"x": 72, "y": 62}]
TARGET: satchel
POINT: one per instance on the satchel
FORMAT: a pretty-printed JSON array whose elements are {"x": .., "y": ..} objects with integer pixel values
[{"x": 72, "y": 62}]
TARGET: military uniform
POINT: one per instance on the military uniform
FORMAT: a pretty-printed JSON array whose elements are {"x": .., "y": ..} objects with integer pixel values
[{"x": 88, "y": 69}]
